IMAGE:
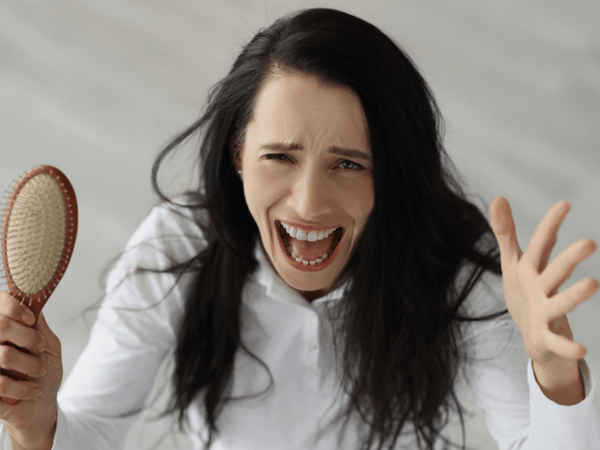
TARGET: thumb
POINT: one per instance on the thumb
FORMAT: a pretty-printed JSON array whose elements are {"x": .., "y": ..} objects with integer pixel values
[{"x": 503, "y": 226}]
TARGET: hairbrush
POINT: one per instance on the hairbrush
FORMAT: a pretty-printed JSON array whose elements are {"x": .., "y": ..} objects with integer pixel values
[{"x": 37, "y": 237}]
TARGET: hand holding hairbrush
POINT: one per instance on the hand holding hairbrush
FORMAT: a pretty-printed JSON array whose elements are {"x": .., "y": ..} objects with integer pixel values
[{"x": 38, "y": 233}]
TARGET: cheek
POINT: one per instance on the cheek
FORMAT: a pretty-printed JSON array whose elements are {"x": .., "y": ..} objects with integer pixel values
[
  {"x": 261, "y": 194},
  {"x": 359, "y": 202}
]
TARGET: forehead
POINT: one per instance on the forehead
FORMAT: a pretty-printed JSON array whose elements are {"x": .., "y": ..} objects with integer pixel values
[{"x": 297, "y": 106}]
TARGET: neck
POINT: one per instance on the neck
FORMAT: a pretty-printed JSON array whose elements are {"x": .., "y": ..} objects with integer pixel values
[{"x": 313, "y": 295}]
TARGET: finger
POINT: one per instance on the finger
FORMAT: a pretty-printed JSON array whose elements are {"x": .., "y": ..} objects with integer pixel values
[
  {"x": 564, "y": 347},
  {"x": 567, "y": 300},
  {"x": 543, "y": 239},
  {"x": 13, "y": 308},
  {"x": 561, "y": 267},
  {"x": 17, "y": 334},
  {"x": 503, "y": 226},
  {"x": 19, "y": 390},
  {"x": 15, "y": 322},
  {"x": 15, "y": 360}
]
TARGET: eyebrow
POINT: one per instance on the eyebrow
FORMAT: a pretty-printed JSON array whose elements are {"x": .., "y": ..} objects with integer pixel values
[{"x": 349, "y": 152}]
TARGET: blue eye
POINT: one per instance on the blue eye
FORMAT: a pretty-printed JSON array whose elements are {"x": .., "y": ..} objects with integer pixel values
[
  {"x": 350, "y": 165},
  {"x": 345, "y": 164},
  {"x": 277, "y": 157}
]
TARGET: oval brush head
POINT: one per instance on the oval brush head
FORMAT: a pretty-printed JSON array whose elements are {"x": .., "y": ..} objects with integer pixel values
[{"x": 38, "y": 233}]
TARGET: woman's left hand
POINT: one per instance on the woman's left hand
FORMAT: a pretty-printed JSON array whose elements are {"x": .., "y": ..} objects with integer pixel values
[{"x": 531, "y": 284}]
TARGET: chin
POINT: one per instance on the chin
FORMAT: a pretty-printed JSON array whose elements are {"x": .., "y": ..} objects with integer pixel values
[{"x": 305, "y": 281}]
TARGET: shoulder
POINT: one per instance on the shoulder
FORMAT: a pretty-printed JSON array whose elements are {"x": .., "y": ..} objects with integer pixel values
[
  {"x": 485, "y": 299},
  {"x": 170, "y": 234},
  {"x": 147, "y": 276},
  {"x": 486, "y": 296}
]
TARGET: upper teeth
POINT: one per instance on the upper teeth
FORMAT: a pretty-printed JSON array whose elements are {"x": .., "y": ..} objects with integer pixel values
[{"x": 310, "y": 236}]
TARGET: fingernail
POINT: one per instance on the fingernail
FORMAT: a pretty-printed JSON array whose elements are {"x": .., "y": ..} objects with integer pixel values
[
  {"x": 28, "y": 319},
  {"x": 37, "y": 391},
  {"x": 41, "y": 346}
]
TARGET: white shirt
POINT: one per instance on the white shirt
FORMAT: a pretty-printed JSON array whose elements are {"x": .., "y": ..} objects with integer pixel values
[{"x": 116, "y": 371}]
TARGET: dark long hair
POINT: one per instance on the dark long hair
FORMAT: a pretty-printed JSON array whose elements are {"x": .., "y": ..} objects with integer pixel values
[{"x": 398, "y": 327}]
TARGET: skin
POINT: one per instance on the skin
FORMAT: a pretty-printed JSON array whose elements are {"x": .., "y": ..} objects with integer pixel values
[
  {"x": 312, "y": 186},
  {"x": 531, "y": 291},
  {"x": 32, "y": 422}
]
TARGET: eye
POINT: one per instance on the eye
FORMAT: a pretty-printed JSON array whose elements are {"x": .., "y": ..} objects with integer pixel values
[
  {"x": 350, "y": 165},
  {"x": 277, "y": 157}
]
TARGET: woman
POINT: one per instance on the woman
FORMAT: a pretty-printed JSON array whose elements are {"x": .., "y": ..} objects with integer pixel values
[{"x": 328, "y": 287}]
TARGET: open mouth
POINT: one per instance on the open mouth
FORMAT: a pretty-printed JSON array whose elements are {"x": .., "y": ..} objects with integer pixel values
[{"x": 311, "y": 248}]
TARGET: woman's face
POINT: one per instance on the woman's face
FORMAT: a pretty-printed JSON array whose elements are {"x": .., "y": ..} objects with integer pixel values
[{"x": 308, "y": 179}]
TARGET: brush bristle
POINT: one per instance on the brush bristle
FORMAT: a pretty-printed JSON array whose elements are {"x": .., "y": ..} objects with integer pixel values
[{"x": 35, "y": 233}]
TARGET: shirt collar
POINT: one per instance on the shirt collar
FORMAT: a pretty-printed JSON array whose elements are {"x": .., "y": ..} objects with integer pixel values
[{"x": 278, "y": 289}]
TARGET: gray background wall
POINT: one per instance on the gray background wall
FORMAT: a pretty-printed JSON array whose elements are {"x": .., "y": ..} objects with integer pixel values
[{"x": 97, "y": 87}]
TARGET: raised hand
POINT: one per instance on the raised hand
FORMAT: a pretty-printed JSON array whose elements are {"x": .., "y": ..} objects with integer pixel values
[
  {"x": 31, "y": 422},
  {"x": 531, "y": 285}
]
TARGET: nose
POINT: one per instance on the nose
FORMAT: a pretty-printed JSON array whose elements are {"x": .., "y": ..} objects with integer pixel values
[{"x": 311, "y": 195}]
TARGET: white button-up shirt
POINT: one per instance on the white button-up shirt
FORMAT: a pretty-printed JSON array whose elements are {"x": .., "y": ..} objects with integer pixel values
[{"x": 136, "y": 329}]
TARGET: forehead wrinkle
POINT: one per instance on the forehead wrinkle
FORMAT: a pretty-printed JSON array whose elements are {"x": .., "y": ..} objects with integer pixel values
[{"x": 340, "y": 121}]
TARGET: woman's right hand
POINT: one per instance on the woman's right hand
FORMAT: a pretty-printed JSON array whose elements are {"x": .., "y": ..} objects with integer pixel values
[{"x": 30, "y": 423}]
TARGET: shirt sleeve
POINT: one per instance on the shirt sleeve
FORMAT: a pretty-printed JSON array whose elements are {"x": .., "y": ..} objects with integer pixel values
[
  {"x": 110, "y": 383},
  {"x": 133, "y": 335},
  {"x": 517, "y": 413}
]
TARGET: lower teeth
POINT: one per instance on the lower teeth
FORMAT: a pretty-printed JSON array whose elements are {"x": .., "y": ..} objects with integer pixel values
[
  {"x": 305, "y": 262},
  {"x": 295, "y": 256}
]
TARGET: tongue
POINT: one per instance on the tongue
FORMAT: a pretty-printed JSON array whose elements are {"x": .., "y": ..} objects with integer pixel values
[{"x": 310, "y": 251}]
